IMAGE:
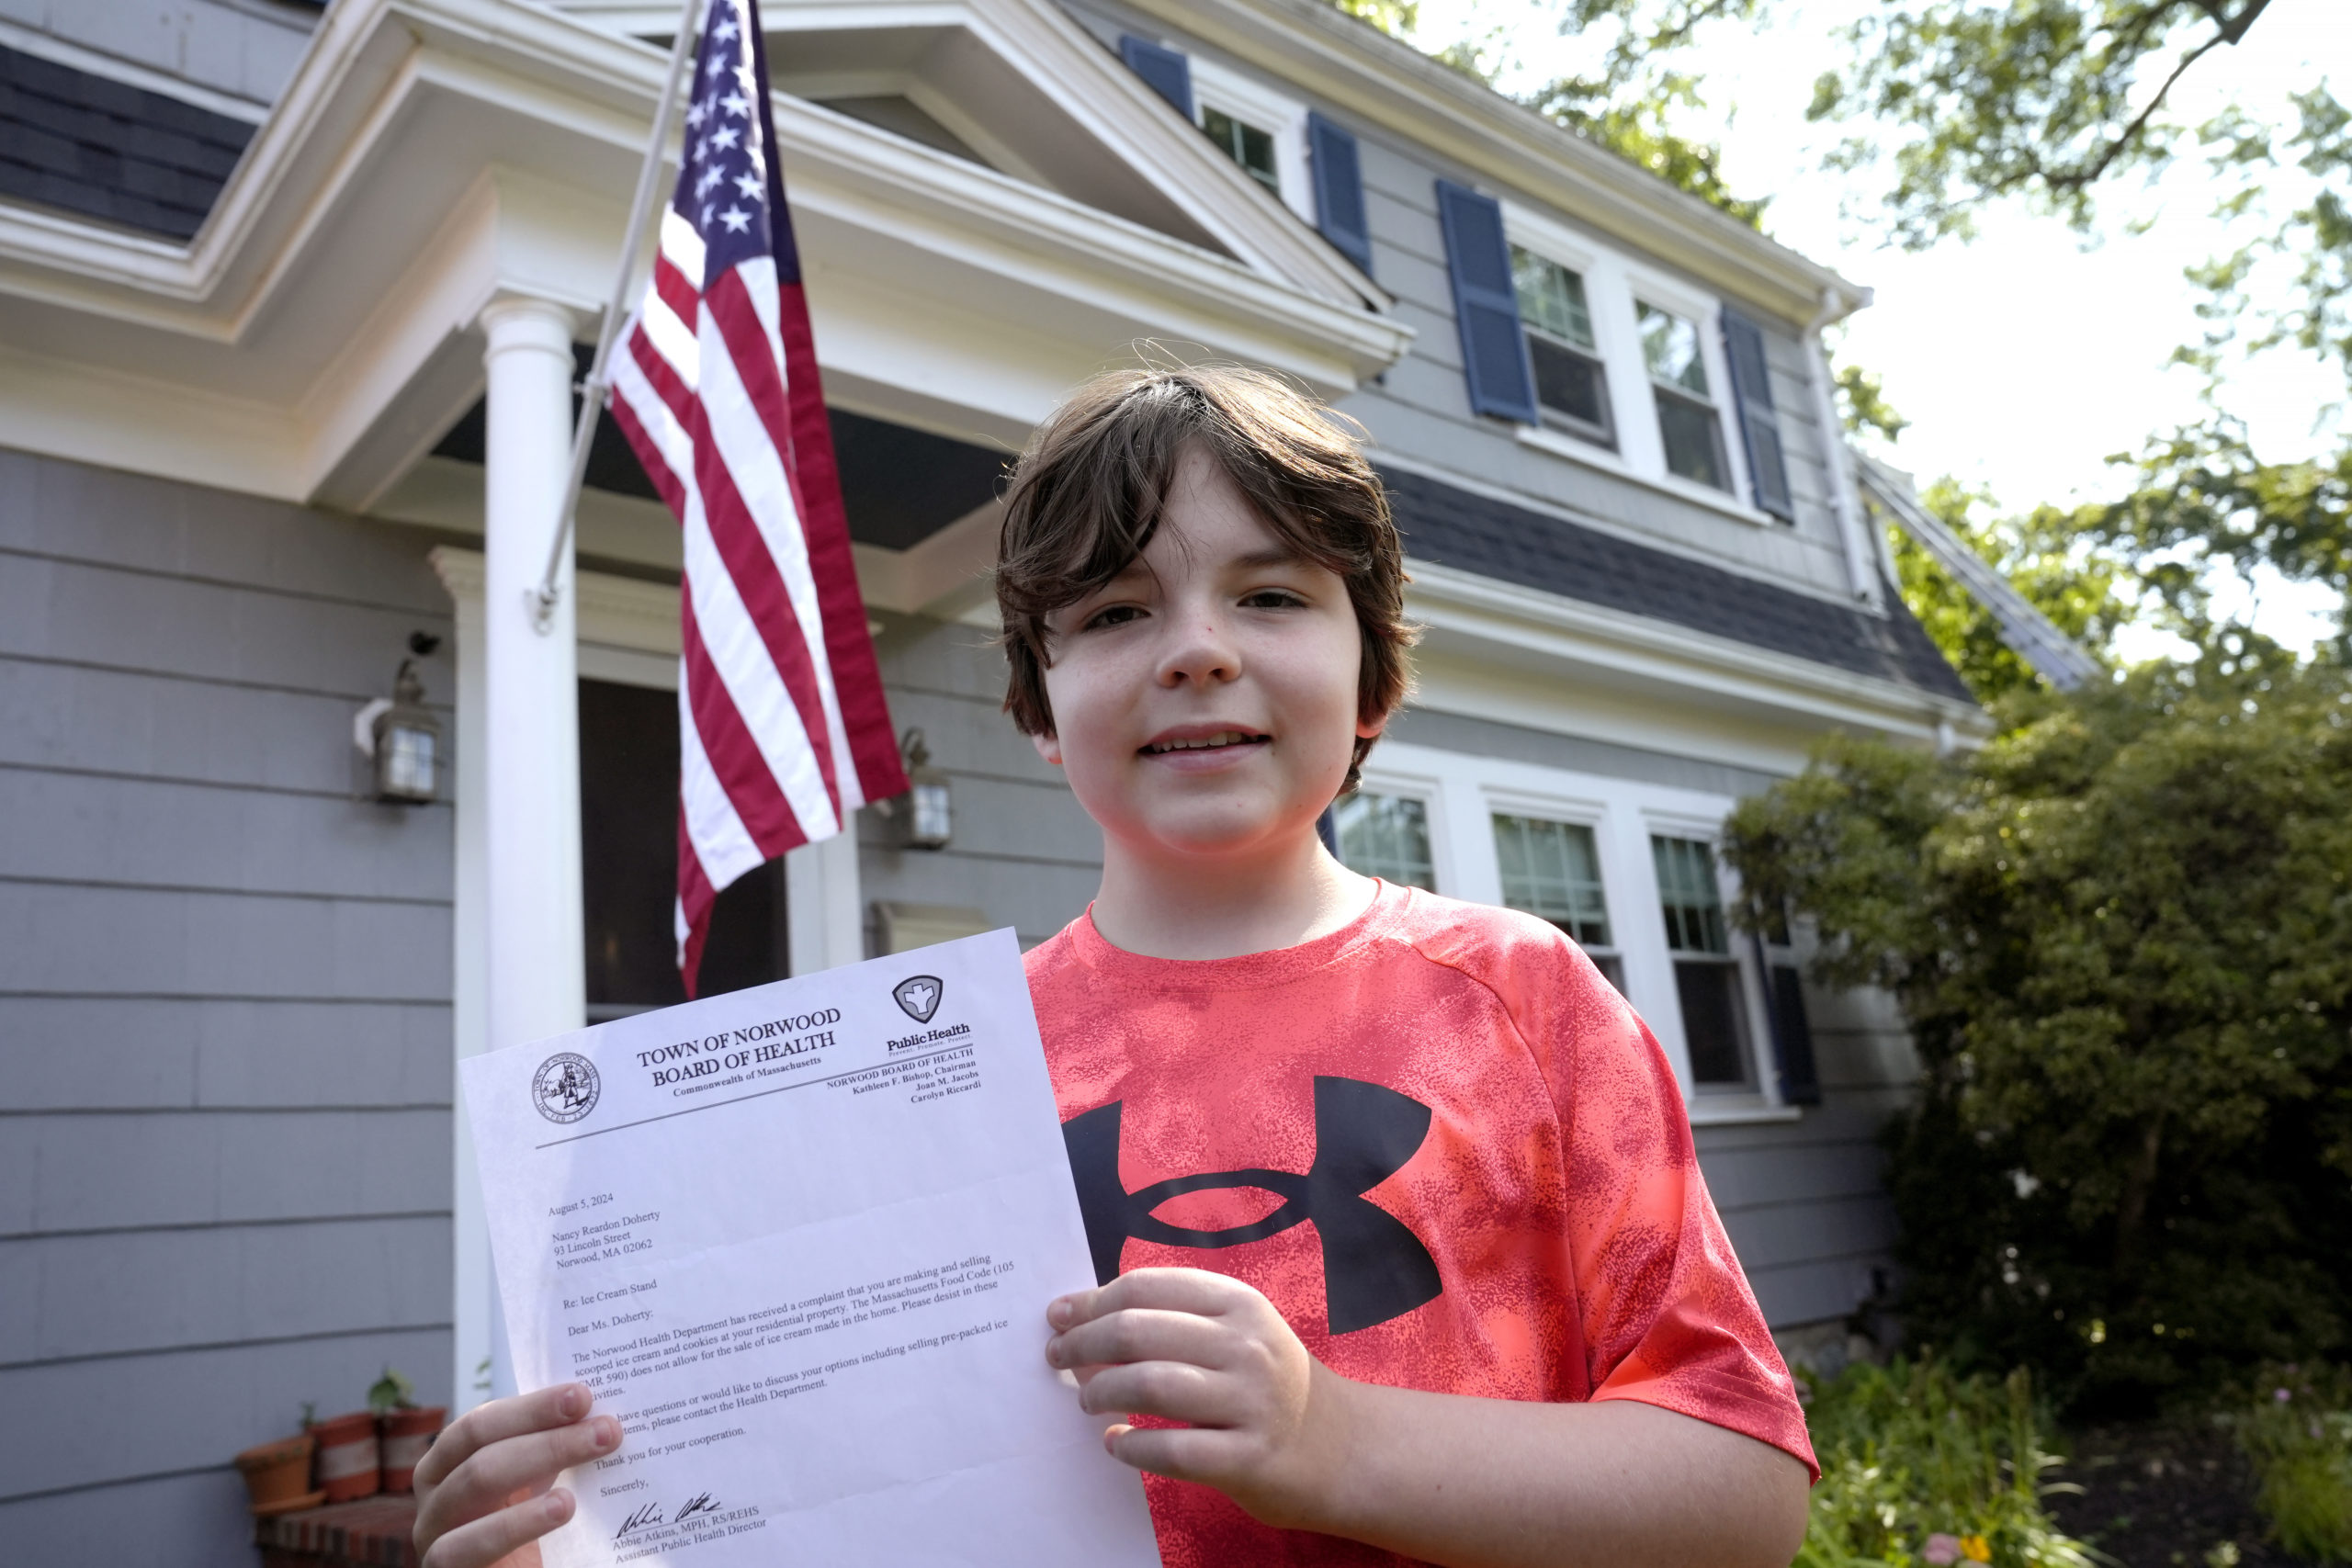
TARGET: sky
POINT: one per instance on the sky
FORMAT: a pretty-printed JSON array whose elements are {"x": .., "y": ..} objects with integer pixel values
[{"x": 2026, "y": 357}]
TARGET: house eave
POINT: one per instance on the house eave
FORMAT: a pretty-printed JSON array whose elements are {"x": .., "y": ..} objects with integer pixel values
[
  {"x": 1386, "y": 83},
  {"x": 441, "y": 151},
  {"x": 1567, "y": 638}
]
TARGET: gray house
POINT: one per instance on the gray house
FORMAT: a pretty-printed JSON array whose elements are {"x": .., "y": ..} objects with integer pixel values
[{"x": 290, "y": 303}]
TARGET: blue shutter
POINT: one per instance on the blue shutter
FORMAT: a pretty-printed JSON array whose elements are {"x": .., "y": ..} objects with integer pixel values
[
  {"x": 1792, "y": 1039},
  {"x": 1486, "y": 307},
  {"x": 1339, "y": 189},
  {"x": 1759, "y": 426},
  {"x": 1163, "y": 69}
]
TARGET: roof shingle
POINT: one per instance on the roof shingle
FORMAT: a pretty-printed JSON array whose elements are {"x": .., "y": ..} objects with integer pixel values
[
  {"x": 1452, "y": 527},
  {"x": 106, "y": 149}
]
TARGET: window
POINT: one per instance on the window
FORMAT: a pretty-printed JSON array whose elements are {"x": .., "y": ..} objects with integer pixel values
[
  {"x": 1386, "y": 836},
  {"x": 1686, "y": 413},
  {"x": 1551, "y": 871},
  {"x": 1571, "y": 385},
  {"x": 1706, "y": 974},
  {"x": 1246, "y": 144},
  {"x": 1263, "y": 133}
]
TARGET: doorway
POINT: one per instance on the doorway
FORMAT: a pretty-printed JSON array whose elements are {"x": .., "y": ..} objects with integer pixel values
[{"x": 629, "y": 830}]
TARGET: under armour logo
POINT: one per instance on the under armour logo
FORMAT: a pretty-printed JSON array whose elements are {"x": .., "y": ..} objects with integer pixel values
[{"x": 1374, "y": 1269}]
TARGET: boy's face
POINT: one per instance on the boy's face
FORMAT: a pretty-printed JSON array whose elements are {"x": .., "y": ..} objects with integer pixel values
[{"x": 1204, "y": 701}]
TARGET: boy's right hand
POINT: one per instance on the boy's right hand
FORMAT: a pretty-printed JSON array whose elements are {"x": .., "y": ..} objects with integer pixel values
[{"x": 486, "y": 1491}]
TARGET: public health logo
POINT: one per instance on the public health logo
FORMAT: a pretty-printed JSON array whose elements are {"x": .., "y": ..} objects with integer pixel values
[
  {"x": 565, "y": 1087},
  {"x": 918, "y": 995}
]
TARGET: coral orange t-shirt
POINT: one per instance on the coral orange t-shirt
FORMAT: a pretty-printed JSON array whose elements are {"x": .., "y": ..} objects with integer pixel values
[{"x": 1438, "y": 1140}]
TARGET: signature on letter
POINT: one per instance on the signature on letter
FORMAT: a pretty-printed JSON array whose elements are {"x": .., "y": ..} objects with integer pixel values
[{"x": 650, "y": 1515}]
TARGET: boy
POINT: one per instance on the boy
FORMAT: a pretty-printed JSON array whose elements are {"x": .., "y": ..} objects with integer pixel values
[{"x": 1514, "y": 1331}]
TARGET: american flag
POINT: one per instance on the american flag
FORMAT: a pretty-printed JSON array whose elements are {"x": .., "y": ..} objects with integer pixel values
[{"x": 782, "y": 725}]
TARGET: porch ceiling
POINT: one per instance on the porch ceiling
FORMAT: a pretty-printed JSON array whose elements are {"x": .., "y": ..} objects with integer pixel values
[{"x": 316, "y": 337}]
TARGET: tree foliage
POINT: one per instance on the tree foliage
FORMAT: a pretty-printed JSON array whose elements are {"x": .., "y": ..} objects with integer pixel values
[
  {"x": 1632, "y": 105},
  {"x": 2205, "y": 501},
  {"x": 2036, "y": 98},
  {"x": 2314, "y": 242},
  {"x": 1396, "y": 17},
  {"x": 1861, "y": 403},
  {"x": 2087, "y": 594},
  {"x": 2202, "y": 505},
  {"x": 2122, "y": 936},
  {"x": 1640, "y": 127}
]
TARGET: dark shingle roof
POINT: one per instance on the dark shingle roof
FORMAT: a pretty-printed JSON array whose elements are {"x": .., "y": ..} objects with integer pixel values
[
  {"x": 72, "y": 139},
  {"x": 1452, "y": 527}
]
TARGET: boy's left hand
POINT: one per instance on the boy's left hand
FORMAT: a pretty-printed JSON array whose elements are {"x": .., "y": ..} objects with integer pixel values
[{"x": 1199, "y": 1348}]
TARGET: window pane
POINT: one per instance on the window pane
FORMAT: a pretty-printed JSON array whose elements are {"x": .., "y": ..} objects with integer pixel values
[
  {"x": 1386, "y": 836},
  {"x": 1694, "y": 904},
  {"x": 1551, "y": 871},
  {"x": 1712, "y": 1021},
  {"x": 1551, "y": 298},
  {"x": 1693, "y": 437},
  {"x": 1244, "y": 143},
  {"x": 1612, "y": 970},
  {"x": 1571, "y": 384},
  {"x": 1671, "y": 344}
]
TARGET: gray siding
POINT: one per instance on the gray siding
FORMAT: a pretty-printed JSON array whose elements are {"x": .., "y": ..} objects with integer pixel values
[
  {"x": 224, "y": 1019},
  {"x": 1024, "y": 854},
  {"x": 243, "y": 51},
  {"x": 1420, "y": 410},
  {"x": 1804, "y": 1201}
]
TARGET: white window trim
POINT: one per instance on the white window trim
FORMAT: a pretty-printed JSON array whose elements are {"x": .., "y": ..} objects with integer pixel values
[
  {"x": 1427, "y": 788},
  {"x": 1560, "y": 444},
  {"x": 1614, "y": 284},
  {"x": 1461, "y": 793},
  {"x": 1707, "y": 827},
  {"x": 1706, "y": 314},
  {"x": 1213, "y": 86}
]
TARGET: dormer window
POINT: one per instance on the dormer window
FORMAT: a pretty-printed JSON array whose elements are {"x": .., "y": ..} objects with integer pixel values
[
  {"x": 1246, "y": 144},
  {"x": 1571, "y": 382},
  {"x": 1258, "y": 129},
  {"x": 1688, "y": 424}
]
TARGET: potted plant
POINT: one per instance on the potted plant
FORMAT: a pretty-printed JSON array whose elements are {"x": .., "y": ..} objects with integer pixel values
[
  {"x": 349, "y": 1456},
  {"x": 277, "y": 1474},
  {"x": 407, "y": 1428}
]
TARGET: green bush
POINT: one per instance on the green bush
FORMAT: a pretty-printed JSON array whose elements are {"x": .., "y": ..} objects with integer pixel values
[
  {"x": 2298, "y": 1432},
  {"x": 1922, "y": 1466},
  {"x": 2122, "y": 935}
]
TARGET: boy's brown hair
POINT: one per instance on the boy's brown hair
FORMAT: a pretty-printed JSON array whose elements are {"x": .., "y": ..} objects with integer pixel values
[{"x": 1087, "y": 496}]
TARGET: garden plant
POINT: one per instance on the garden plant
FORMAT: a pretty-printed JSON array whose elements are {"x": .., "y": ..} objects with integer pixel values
[
  {"x": 2121, "y": 933},
  {"x": 1922, "y": 1465},
  {"x": 2298, "y": 1431}
]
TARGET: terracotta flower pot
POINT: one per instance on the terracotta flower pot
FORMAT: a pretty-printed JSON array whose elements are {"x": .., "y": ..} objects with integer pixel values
[
  {"x": 277, "y": 1473},
  {"x": 407, "y": 1433},
  {"x": 349, "y": 1465}
]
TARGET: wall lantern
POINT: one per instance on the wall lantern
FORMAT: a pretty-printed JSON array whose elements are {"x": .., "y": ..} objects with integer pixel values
[
  {"x": 926, "y": 817},
  {"x": 401, "y": 739}
]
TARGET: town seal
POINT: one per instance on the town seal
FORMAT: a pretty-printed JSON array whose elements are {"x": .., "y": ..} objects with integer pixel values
[{"x": 565, "y": 1087}]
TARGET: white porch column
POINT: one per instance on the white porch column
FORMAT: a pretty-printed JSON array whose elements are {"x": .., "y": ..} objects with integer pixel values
[
  {"x": 475, "y": 1308},
  {"x": 536, "y": 974},
  {"x": 824, "y": 909}
]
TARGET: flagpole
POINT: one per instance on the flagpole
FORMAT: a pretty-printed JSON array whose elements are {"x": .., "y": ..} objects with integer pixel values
[{"x": 541, "y": 600}]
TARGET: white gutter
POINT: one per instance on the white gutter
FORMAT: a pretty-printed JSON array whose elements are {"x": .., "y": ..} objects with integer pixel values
[{"x": 1861, "y": 557}]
